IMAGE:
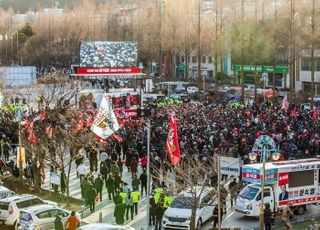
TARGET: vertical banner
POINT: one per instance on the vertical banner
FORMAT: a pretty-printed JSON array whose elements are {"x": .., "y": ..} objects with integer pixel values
[
  {"x": 172, "y": 143},
  {"x": 105, "y": 122},
  {"x": 21, "y": 157}
]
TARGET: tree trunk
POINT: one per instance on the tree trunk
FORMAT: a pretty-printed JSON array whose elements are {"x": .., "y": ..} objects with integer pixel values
[
  {"x": 193, "y": 224},
  {"x": 68, "y": 178},
  {"x": 36, "y": 175}
]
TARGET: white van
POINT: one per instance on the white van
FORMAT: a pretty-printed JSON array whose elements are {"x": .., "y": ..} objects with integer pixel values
[{"x": 178, "y": 215}]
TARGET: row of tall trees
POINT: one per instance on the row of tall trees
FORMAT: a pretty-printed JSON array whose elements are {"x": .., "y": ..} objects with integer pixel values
[{"x": 264, "y": 32}]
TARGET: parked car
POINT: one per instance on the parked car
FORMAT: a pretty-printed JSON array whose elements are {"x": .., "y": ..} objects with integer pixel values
[
  {"x": 178, "y": 215},
  {"x": 180, "y": 96},
  {"x": 103, "y": 226},
  {"x": 41, "y": 217},
  {"x": 316, "y": 98},
  {"x": 10, "y": 206},
  {"x": 224, "y": 89},
  {"x": 192, "y": 90},
  {"x": 5, "y": 192}
]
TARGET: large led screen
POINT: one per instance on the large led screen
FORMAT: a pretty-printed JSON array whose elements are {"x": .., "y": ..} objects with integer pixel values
[{"x": 108, "y": 54}]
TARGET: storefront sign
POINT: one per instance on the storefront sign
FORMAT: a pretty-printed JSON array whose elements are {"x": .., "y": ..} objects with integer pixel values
[
  {"x": 108, "y": 71},
  {"x": 258, "y": 68}
]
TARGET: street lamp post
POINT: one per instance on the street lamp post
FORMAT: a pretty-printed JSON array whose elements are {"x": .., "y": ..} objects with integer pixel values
[{"x": 264, "y": 146}]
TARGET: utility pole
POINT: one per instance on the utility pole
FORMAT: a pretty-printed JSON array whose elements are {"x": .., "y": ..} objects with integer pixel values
[
  {"x": 274, "y": 54},
  {"x": 216, "y": 45},
  {"x": 261, "y": 216},
  {"x": 292, "y": 47},
  {"x": 312, "y": 51},
  {"x": 241, "y": 52},
  {"x": 148, "y": 173},
  {"x": 219, "y": 195},
  {"x": 199, "y": 42}
]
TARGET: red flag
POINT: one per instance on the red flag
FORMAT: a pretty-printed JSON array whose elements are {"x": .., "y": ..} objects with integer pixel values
[
  {"x": 48, "y": 131},
  {"x": 294, "y": 112},
  {"x": 43, "y": 116},
  {"x": 89, "y": 121},
  {"x": 117, "y": 137},
  {"x": 315, "y": 114},
  {"x": 172, "y": 143},
  {"x": 32, "y": 138},
  {"x": 285, "y": 103},
  {"x": 79, "y": 125}
]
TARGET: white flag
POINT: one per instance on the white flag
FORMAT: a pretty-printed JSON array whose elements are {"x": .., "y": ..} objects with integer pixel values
[
  {"x": 105, "y": 122},
  {"x": 285, "y": 103}
]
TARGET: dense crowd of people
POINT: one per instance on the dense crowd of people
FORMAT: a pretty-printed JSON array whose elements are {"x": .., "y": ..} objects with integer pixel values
[{"x": 204, "y": 130}]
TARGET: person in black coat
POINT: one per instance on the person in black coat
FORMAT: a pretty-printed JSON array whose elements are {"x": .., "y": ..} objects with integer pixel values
[
  {"x": 110, "y": 184},
  {"x": 216, "y": 215},
  {"x": 143, "y": 182},
  {"x": 267, "y": 216},
  {"x": 159, "y": 211},
  {"x": 152, "y": 207}
]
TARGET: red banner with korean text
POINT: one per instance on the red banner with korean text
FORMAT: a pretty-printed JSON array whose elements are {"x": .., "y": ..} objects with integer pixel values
[
  {"x": 133, "y": 70},
  {"x": 172, "y": 143},
  {"x": 283, "y": 178}
]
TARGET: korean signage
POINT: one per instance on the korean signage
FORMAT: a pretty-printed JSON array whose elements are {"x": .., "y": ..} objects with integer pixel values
[
  {"x": 258, "y": 68},
  {"x": 54, "y": 178},
  {"x": 299, "y": 165},
  {"x": 126, "y": 113},
  {"x": 108, "y": 71},
  {"x": 311, "y": 199},
  {"x": 230, "y": 166},
  {"x": 283, "y": 178},
  {"x": 254, "y": 175},
  {"x": 251, "y": 175}
]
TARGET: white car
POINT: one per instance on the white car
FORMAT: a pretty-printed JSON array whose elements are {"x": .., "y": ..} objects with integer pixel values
[
  {"x": 224, "y": 89},
  {"x": 5, "y": 192},
  {"x": 180, "y": 96},
  {"x": 316, "y": 98},
  {"x": 178, "y": 215},
  {"x": 10, "y": 207},
  {"x": 41, "y": 217},
  {"x": 192, "y": 90},
  {"x": 103, "y": 226}
]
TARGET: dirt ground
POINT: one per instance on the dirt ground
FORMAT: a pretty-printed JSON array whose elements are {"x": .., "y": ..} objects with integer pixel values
[{"x": 25, "y": 187}]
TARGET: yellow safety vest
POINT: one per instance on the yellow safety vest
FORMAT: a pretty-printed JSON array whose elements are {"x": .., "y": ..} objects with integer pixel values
[
  {"x": 135, "y": 195},
  {"x": 124, "y": 196},
  {"x": 167, "y": 201},
  {"x": 159, "y": 190}
]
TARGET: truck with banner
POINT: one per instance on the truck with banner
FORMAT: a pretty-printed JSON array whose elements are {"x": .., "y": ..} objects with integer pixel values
[{"x": 294, "y": 181}]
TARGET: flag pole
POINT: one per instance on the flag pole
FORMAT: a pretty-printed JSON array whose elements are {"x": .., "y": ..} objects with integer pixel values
[{"x": 148, "y": 173}]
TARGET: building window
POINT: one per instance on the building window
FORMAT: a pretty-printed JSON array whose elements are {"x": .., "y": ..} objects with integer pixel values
[
  {"x": 210, "y": 59},
  {"x": 194, "y": 59},
  {"x": 305, "y": 64},
  {"x": 203, "y": 59},
  {"x": 182, "y": 58}
]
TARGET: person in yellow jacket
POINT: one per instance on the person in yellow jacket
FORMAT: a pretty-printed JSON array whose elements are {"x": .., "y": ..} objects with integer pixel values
[
  {"x": 136, "y": 197},
  {"x": 167, "y": 201},
  {"x": 158, "y": 191},
  {"x": 123, "y": 196}
]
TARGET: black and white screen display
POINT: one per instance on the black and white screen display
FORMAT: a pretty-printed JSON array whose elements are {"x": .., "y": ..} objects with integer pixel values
[{"x": 108, "y": 54}]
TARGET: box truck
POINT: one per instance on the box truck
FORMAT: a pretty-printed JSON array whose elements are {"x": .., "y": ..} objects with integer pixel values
[{"x": 295, "y": 181}]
